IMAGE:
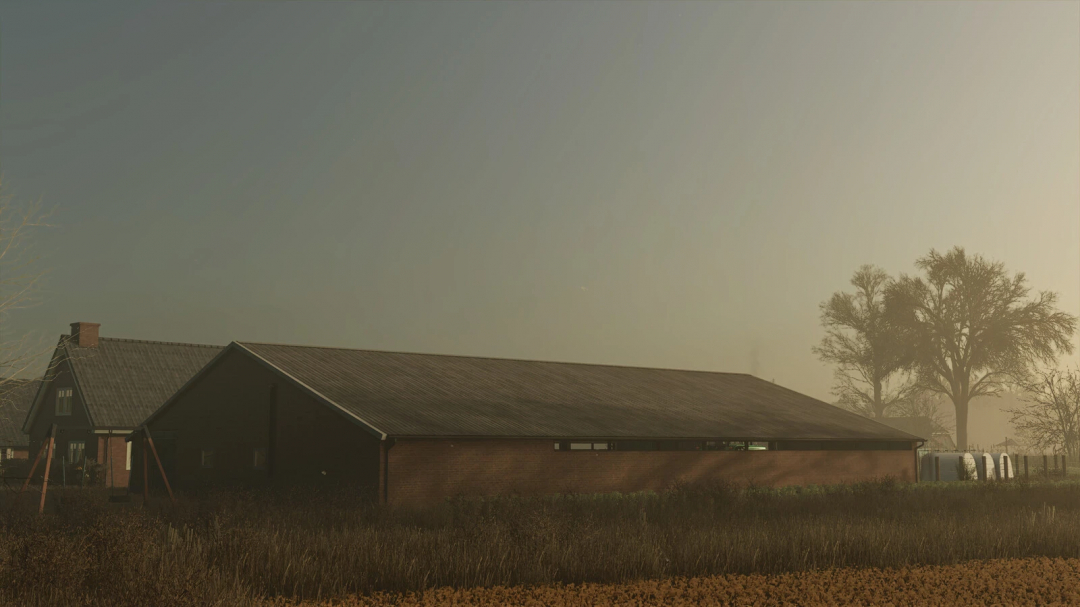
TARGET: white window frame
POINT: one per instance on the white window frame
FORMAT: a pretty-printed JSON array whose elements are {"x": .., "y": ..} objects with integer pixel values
[
  {"x": 63, "y": 397},
  {"x": 203, "y": 458},
  {"x": 127, "y": 462},
  {"x": 82, "y": 451}
]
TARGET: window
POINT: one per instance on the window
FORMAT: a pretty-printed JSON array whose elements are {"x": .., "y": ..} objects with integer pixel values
[
  {"x": 568, "y": 446},
  {"x": 63, "y": 401},
  {"x": 10, "y": 454},
  {"x": 260, "y": 458},
  {"x": 127, "y": 462},
  {"x": 207, "y": 458},
  {"x": 76, "y": 448}
]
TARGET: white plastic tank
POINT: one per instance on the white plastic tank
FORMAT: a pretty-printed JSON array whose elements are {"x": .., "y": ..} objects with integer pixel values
[
  {"x": 986, "y": 466},
  {"x": 953, "y": 466},
  {"x": 1005, "y": 465}
]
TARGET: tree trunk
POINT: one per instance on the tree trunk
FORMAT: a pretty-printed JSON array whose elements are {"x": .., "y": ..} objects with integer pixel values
[
  {"x": 961, "y": 405},
  {"x": 879, "y": 411}
]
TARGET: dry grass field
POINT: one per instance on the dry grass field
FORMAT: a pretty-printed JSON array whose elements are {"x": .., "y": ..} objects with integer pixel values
[
  {"x": 1020, "y": 582},
  {"x": 236, "y": 548}
]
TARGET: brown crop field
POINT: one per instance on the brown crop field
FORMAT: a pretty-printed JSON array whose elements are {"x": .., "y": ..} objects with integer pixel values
[
  {"x": 237, "y": 548},
  {"x": 1019, "y": 582}
]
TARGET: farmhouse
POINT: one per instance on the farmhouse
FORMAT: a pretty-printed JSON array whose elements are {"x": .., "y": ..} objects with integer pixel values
[
  {"x": 416, "y": 428},
  {"x": 97, "y": 390},
  {"x": 16, "y": 395}
]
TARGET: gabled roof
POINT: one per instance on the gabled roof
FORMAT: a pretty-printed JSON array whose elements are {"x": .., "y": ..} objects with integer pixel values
[
  {"x": 122, "y": 381},
  {"x": 16, "y": 396},
  {"x": 398, "y": 394}
]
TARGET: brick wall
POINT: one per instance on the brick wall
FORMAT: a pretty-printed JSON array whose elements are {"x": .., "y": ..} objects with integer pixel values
[
  {"x": 113, "y": 452},
  {"x": 423, "y": 471}
]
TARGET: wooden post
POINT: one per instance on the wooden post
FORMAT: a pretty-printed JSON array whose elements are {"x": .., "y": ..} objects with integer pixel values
[
  {"x": 37, "y": 460},
  {"x": 161, "y": 468},
  {"x": 48, "y": 469},
  {"x": 937, "y": 467},
  {"x": 271, "y": 439},
  {"x": 145, "y": 484}
]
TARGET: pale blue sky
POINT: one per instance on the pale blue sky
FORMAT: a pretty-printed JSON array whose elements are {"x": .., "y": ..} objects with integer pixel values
[{"x": 666, "y": 184}]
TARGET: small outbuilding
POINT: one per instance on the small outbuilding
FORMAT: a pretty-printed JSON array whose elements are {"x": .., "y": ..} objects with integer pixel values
[{"x": 417, "y": 428}]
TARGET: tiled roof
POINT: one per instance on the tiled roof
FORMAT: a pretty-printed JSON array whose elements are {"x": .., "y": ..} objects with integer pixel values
[
  {"x": 123, "y": 381},
  {"x": 16, "y": 396},
  {"x": 432, "y": 395}
]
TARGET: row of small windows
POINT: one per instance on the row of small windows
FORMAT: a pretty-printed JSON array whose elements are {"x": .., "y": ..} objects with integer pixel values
[
  {"x": 63, "y": 401},
  {"x": 258, "y": 459},
  {"x": 671, "y": 445}
]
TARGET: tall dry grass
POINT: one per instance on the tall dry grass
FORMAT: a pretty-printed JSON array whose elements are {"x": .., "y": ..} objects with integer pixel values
[{"x": 235, "y": 548}]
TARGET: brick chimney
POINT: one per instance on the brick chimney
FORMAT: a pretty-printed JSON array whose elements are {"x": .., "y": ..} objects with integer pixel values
[{"x": 85, "y": 334}]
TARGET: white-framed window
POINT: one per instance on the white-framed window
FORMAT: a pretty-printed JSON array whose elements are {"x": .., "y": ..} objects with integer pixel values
[
  {"x": 76, "y": 448},
  {"x": 10, "y": 454},
  {"x": 63, "y": 401},
  {"x": 207, "y": 458},
  {"x": 127, "y": 462},
  {"x": 260, "y": 458}
]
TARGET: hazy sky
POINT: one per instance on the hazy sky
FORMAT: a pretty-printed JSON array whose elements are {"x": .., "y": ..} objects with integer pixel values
[{"x": 673, "y": 185}]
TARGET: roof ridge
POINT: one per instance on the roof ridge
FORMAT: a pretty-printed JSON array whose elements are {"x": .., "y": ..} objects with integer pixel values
[
  {"x": 521, "y": 360},
  {"x": 148, "y": 341}
]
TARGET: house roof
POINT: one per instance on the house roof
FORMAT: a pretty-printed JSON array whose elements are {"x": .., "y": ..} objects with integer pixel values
[
  {"x": 122, "y": 381},
  {"x": 400, "y": 394},
  {"x": 16, "y": 396}
]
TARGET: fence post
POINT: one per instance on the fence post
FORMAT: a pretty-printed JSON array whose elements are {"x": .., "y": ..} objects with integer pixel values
[{"x": 937, "y": 468}]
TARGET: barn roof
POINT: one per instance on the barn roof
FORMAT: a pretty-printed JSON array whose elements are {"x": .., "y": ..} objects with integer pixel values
[
  {"x": 122, "y": 381},
  {"x": 16, "y": 396},
  {"x": 400, "y": 394}
]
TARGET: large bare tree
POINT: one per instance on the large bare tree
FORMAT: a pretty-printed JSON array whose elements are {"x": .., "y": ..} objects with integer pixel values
[
  {"x": 865, "y": 348},
  {"x": 973, "y": 328},
  {"x": 20, "y": 277},
  {"x": 1049, "y": 414}
]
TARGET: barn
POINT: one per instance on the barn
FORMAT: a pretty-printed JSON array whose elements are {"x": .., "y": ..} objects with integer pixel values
[{"x": 417, "y": 428}]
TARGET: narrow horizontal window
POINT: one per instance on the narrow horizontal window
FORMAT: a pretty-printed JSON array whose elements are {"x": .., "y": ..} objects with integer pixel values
[{"x": 581, "y": 446}]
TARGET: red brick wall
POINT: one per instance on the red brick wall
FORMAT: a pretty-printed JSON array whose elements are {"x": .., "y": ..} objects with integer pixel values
[
  {"x": 113, "y": 451},
  {"x": 423, "y": 471}
]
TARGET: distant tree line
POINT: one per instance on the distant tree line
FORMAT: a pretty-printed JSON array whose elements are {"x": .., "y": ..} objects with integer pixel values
[{"x": 962, "y": 327}]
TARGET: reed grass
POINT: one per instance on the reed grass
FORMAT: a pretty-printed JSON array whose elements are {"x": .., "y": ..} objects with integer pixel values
[{"x": 237, "y": 548}]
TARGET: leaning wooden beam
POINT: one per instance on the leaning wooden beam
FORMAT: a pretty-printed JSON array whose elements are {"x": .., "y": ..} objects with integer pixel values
[
  {"x": 157, "y": 459},
  {"x": 48, "y": 469},
  {"x": 37, "y": 460},
  {"x": 145, "y": 475}
]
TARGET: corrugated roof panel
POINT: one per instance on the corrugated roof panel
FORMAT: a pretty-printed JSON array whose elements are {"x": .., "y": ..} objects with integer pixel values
[
  {"x": 123, "y": 381},
  {"x": 433, "y": 395}
]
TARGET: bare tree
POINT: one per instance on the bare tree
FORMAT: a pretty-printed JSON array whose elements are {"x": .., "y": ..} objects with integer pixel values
[
  {"x": 20, "y": 278},
  {"x": 973, "y": 329},
  {"x": 1049, "y": 417},
  {"x": 923, "y": 403},
  {"x": 863, "y": 346}
]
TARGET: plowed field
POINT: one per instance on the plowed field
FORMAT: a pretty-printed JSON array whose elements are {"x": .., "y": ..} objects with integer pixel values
[{"x": 1034, "y": 581}]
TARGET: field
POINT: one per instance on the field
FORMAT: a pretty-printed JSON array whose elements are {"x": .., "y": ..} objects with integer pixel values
[
  {"x": 319, "y": 546},
  {"x": 1014, "y": 582}
]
